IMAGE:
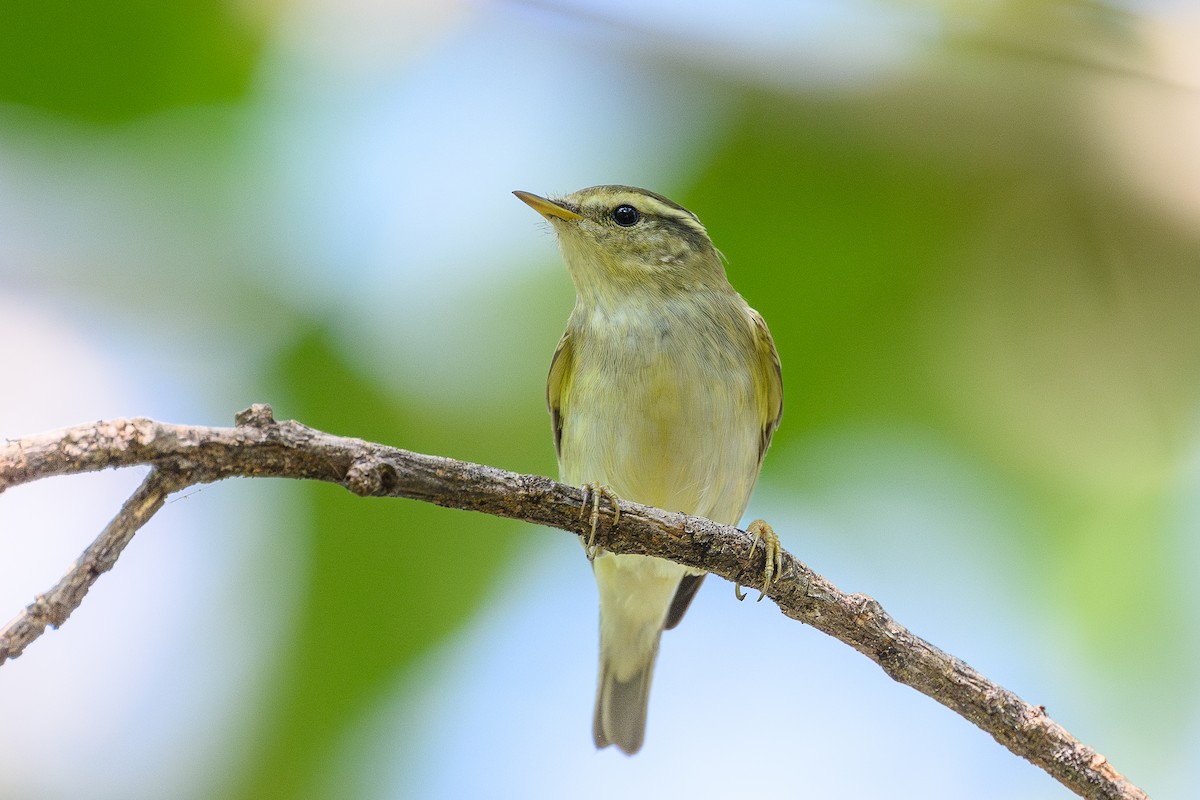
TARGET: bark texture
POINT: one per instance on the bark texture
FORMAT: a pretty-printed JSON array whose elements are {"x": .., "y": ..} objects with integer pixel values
[{"x": 260, "y": 447}]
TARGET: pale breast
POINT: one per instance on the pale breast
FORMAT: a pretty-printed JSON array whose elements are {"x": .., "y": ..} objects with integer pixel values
[{"x": 662, "y": 411}]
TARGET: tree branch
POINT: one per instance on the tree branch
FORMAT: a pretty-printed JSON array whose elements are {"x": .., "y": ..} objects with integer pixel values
[
  {"x": 53, "y": 607},
  {"x": 259, "y": 446}
]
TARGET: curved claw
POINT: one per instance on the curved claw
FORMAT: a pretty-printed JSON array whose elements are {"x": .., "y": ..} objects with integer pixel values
[
  {"x": 596, "y": 491},
  {"x": 773, "y": 556}
]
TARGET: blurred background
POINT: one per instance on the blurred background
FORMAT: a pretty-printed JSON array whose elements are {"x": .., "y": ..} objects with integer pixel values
[{"x": 973, "y": 227}]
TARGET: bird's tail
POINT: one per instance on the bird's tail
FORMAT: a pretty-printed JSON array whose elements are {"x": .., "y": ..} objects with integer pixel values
[
  {"x": 621, "y": 703},
  {"x": 636, "y": 593}
]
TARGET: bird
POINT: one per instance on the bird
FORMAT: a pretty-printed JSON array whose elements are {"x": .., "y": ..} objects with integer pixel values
[{"x": 665, "y": 389}]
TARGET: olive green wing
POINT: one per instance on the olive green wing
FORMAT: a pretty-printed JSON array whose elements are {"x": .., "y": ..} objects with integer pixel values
[
  {"x": 768, "y": 387},
  {"x": 558, "y": 382},
  {"x": 768, "y": 380}
]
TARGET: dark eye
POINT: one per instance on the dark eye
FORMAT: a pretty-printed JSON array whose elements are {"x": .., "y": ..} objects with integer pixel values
[{"x": 626, "y": 216}]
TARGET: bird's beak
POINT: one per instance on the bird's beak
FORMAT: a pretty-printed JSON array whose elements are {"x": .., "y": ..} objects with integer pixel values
[{"x": 547, "y": 208}]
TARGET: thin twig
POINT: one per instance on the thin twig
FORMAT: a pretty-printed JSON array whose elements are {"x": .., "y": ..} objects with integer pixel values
[
  {"x": 55, "y": 606},
  {"x": 261, "y": 447}
]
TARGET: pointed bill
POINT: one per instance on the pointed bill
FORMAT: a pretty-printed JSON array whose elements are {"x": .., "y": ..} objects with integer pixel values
[{"x": 547, "y": 208}]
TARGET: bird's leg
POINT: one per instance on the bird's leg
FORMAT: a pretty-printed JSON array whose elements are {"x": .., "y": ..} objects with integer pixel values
[
  {"x": 774, "y": 556},
  {"x": 596, "y": 491}
]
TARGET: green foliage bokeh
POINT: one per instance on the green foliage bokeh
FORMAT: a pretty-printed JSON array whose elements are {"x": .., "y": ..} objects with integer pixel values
[
  {"x": 945, "y": 252},
  {"x": 121, "y": 59}
]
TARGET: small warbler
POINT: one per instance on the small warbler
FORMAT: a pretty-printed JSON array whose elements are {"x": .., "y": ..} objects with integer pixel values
[{"x": 665, "y": 390}]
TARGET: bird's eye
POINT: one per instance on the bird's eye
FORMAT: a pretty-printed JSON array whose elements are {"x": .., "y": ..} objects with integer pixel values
[{"x": 626, "y": 216}]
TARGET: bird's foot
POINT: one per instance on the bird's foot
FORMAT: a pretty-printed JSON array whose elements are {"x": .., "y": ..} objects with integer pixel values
[
  {"x": 774, "y": 556},
  {"x": 595, "y": 491}
]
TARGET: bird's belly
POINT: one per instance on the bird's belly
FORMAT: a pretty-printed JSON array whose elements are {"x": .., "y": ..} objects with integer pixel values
[{"x": 666, "y": 438}]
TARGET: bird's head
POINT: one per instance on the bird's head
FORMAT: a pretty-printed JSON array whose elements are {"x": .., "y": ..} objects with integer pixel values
[{"x": 618, "y": 239}]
